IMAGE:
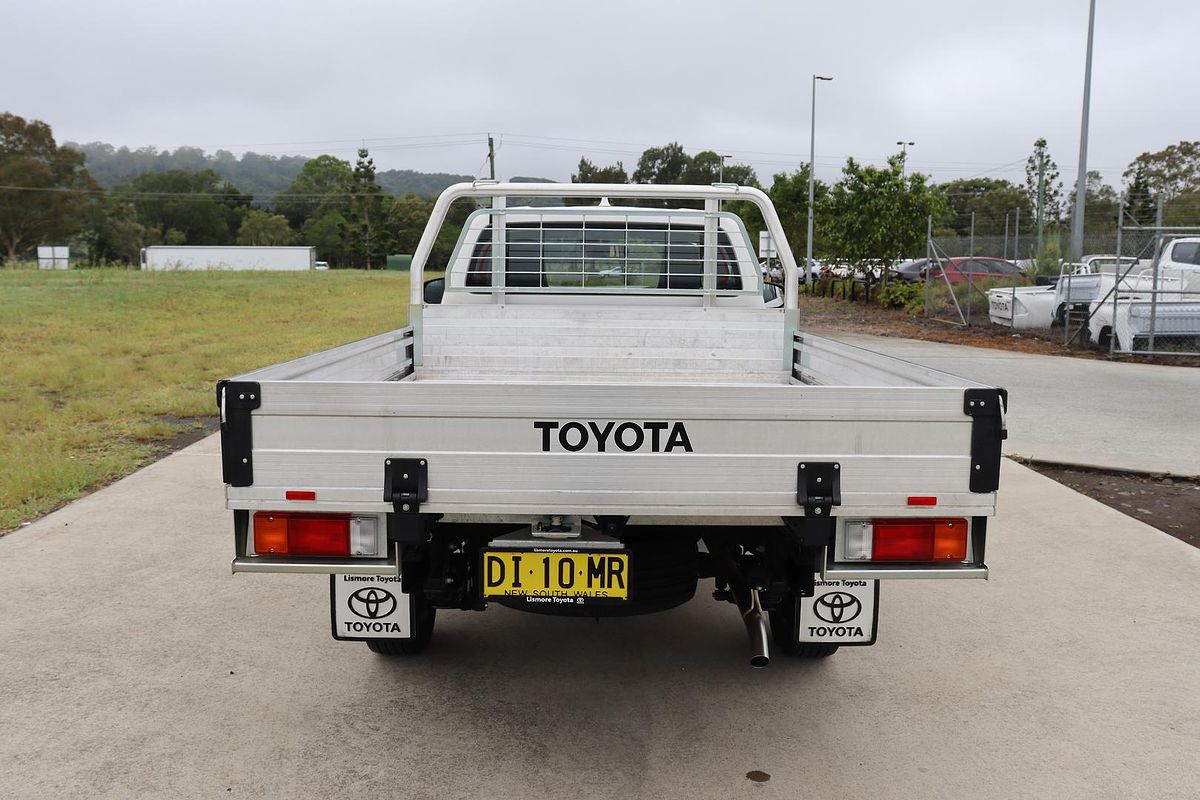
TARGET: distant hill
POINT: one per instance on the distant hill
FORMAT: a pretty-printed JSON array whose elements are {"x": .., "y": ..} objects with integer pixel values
[
  {"x": 254, "y": 173},
  {"x": 426, "y": 184}
]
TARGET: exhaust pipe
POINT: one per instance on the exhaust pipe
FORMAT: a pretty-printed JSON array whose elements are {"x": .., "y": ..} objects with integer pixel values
[{"x": 756, "y": 626}]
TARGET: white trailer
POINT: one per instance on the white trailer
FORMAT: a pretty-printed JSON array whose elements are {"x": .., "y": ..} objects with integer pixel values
[
  {"x": 165, "y": 257},
  {"x": 596, "y": 408}
]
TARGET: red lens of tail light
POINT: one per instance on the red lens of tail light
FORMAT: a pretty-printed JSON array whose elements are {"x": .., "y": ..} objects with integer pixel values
[
  {"x": 919, "y": 540},
  {"x": 285, "y": 533}
]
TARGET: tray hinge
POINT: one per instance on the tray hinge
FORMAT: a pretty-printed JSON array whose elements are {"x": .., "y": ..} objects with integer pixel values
[
  {"x": 818, "y": 490},
  {"x": 405, "y": 486},
  {"x": 818, "y": 487},
  {"x": 986, "y": 408},
  {"x": 235, "y": 402}
]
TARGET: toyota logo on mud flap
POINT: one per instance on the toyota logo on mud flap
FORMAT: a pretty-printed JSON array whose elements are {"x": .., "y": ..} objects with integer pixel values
[
  {"x": 373, "y": 603},
  {"x": 837, "y": 608}
]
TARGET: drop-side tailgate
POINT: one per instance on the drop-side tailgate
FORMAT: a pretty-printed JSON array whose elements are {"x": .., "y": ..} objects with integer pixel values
[{"x": 625, "y": 449}]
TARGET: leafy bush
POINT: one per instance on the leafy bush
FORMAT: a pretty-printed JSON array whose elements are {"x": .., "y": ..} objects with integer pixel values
[{"x": 908, "y": 296}]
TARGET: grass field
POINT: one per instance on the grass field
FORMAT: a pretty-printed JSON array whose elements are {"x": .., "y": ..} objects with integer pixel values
[{"x": 100, "y": 370}]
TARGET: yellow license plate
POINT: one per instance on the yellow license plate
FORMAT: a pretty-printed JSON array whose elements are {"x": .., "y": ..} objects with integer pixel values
[{"x": 601, "y": 576}]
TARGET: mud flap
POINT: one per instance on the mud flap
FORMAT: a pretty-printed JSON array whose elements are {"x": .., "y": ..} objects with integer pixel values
[
  {"x": 840, "y": 612},
  {"x": 365, "y": 607}
]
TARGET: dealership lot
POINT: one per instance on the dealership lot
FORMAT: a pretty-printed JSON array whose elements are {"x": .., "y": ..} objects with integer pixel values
[{"x": 134, "y": 663}]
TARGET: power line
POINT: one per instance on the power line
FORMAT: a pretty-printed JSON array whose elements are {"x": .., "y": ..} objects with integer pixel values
[
  {"x": 347, "y": 141},
  {"x": 120, "y": 194}
]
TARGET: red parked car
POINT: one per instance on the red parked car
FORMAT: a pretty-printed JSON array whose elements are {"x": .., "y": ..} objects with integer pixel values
[{"x": 979, "y": 268}]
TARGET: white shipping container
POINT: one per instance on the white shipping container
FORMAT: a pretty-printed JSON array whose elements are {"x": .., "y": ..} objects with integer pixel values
[{"x": 228, "y": 258}]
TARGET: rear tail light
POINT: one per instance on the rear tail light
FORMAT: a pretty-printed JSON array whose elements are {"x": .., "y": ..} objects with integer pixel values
[
  {"x": 293, "y": 534},
  {"x": 928, "y": 540}
]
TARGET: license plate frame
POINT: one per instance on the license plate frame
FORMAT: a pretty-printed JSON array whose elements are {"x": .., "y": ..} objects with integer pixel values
[{"x": 501, "y": 588}]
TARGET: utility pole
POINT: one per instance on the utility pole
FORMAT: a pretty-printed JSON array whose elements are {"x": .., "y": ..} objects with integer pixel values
[
  {"x": 812, "y": 168},
  {"x": 1081, "y": 178},
  {"x": 491, "y": 158},
  {"x": 721, "y": 171}
]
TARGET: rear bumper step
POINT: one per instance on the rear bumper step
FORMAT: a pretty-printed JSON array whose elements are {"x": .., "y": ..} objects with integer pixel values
[{"x": 323, "y": 566}]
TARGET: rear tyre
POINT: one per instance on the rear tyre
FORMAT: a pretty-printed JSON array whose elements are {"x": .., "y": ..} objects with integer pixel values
[
  {"x": 425, "y": 615},
  {"x": 785, "y": 633}
]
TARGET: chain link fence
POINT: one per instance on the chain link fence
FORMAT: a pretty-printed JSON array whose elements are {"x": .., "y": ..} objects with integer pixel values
[{"x": 1138, "y": 293}]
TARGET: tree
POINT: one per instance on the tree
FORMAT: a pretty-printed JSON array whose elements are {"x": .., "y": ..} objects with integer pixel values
[
  {"x": 365, "y": 231},
  {"x": 704, "y": 168},
  {"x": 1042, "y": 180},
  {"x": 990, "y": 199},
  {"x": 185, "y": 207},
  {"x": 590, "y": 173},
  {"x": 1172, "y": 171},
  {"x": 1183, "y": 209},
  {"x": 324, "y": 182},
  {"x": 407, "y": 220},
  {"x": 1172, "y": 174},
  {"x": 789, "y": 194},
  {"x": 1100, "y": 204},
  {"x": 50, "y": 204},
  {"x": 664, "y": 164},
  {"x": 326, "y": 232},
  {"x": 262, "y": 228},
  {"x": 1140, "y": 201},
  {"x": 111, "y": 231},
  {"x": 875, "y": 214}
]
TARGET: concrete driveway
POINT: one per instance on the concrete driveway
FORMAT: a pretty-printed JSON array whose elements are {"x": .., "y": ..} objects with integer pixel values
[
  {"x": 1074, "y": 410},
  {"x": 134, "y": 665}
]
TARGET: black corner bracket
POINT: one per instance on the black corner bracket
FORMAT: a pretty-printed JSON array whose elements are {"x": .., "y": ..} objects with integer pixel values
[
  {"x": 986, "y": 408},
  {"x": 818, "y": 490},
  {"x": 405, "y": 486},
  {"x": 818, "y": 487},
  {"x": 235, "y": 401}
]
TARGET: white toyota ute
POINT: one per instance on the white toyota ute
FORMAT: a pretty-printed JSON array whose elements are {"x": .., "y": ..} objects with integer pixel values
[{"x": 600, "y": 405}]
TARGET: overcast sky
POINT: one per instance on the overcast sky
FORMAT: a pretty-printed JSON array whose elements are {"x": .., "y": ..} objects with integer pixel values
[{"x": 421, "y": 83}]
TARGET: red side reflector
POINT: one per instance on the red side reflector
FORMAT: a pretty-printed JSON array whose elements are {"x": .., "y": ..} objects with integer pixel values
[
  {"x": 919, "y": 540},
  {"x": 285, "y": 533},
  {"x": 917, "y": 500},
  {"x": 298, "y": 495}
]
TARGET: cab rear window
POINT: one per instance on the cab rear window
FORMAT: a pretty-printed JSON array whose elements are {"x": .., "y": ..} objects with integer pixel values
[{"x": 574, "y": 255}]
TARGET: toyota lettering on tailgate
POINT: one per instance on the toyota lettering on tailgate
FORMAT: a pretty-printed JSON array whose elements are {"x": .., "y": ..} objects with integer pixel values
[{"x": 628, "y": 437}]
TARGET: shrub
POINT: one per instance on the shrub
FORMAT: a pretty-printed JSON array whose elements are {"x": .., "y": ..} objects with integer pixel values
[{"x": 908, "y": 296}]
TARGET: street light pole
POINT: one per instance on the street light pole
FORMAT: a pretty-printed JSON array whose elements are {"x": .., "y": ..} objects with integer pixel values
[
  {"x": 721, "y": 171},
  {"x": 812, "y": 168},
  {"x": 904, "y": 155},
  {"x": 1081, "y": 178}
]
